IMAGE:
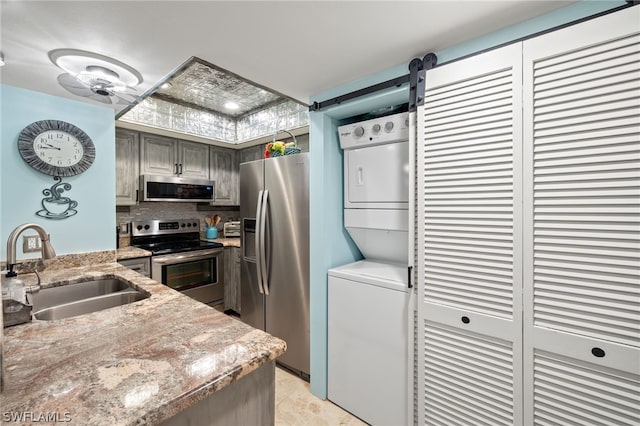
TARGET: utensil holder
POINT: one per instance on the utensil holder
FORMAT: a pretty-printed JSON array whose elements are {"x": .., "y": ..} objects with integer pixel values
[{"x": 211, "y": 233}]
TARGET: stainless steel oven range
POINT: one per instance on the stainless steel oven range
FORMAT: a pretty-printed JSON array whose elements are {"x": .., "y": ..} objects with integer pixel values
[{"x": 180, "y": 260}]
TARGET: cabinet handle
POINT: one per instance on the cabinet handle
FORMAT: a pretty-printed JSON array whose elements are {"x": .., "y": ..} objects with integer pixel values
[
  {"x": 598, "y": 352},
  {"x": 175, "y": 169},
  {"x": 465, "y": 320},
  {"x": 180, "y": 169},
  {"x": 137, "y": 192}
]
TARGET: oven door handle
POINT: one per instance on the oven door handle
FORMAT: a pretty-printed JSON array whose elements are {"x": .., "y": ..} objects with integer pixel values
[
  {"x": 257, "y": 237},
  {"x": 181, "y": 257},
  {"x": 263, "y": 243}
]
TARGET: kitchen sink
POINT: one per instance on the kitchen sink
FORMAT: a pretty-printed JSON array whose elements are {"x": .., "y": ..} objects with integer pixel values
[{"x": 82, "y": 298}]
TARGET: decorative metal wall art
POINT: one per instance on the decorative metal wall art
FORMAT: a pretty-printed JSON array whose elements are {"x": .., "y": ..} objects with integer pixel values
[{"x": 54, "y": 205}]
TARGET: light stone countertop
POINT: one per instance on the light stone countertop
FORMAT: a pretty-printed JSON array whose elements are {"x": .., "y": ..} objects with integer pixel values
[
  {"x": 227, "y": 242},
  {"x": 131, "y": 252},
  {"x": 138, "y": 364}
]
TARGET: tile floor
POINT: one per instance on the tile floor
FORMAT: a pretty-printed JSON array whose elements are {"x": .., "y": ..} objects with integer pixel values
[{"x": 297, "y": 406}]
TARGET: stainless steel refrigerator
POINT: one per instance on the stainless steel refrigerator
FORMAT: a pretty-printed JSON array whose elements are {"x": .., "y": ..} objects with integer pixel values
[{"x": 274, "y": 206}]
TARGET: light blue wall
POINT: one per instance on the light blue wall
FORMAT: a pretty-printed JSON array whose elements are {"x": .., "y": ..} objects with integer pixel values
[
  {"x": 93, "y": 227},
  {"x": 330, "y": 244}
]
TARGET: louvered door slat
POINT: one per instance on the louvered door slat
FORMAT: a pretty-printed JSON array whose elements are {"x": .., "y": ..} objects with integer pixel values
[
  {"x": 448, "y": 147},
  {"x": 582, "y": 223},
  {"x": 571, "y": 113},
  {"x": 473, "y": 375},
  {"x": 594, "y": 396},
  {"x": 585, "y": 53},
  {"x": 608, "y": 87}
]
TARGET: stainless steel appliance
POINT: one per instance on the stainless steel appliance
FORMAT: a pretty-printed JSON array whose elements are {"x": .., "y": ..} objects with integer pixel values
[
  {"x": 368, "y": 301},
  {"x": 232, "y": 228},
  {"x": 180, "y": 260},
  {"x": 173, "y": 188},
  {"x": 274, "y": 206}
]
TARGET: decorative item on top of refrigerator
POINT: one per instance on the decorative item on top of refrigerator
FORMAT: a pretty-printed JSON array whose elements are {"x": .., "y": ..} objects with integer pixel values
[{"x": 279, "y": 148}]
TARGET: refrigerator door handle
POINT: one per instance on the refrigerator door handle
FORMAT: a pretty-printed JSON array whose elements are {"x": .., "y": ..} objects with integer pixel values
[
  {"x": 264, "y": 264},
  {"x": 259, "y": 260}
]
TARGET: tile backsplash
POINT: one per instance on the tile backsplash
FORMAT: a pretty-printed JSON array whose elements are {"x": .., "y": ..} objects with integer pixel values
[{"x": 168, "y": 211}]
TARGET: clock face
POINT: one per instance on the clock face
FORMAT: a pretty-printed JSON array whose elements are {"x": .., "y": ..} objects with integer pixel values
[{"x": 56, "y": 148}]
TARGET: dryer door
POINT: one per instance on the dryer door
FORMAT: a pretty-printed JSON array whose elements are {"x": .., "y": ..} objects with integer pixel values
[{"x": 377, "y": 176}]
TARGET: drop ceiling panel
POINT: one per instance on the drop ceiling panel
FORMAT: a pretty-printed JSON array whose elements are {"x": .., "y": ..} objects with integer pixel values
[{"x": 208, "y": 87}]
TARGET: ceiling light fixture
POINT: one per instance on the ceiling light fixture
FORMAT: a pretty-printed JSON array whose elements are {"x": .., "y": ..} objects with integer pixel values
[
  {"x": 231, "y": 105},
  {"x": 1, "y": 60},
  {"x": 76, "y": 61}
]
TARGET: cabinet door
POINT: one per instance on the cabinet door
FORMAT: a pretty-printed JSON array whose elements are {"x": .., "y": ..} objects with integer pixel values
[
  {"x": 158, "y": 155},
  {"x": 224, "y": 172},
  {"x": 469, "y": 315},
  {"x": 193, "y": 159},
  {"x": 252, "y": 154},
  {"x": 232, "y": 278},
  {"x": 141, "y": 265},
  {"x": 127, "y": 167},
  {"x": 582, "y": 223}
]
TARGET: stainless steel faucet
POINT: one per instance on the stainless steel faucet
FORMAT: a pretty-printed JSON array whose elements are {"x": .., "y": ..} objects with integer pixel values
[
  {"x": 47, "y": 249},
  {"x": 47, "y": 253}
]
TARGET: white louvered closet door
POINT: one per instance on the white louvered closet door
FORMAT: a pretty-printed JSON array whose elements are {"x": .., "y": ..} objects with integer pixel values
[
  {"x": 582, "y": 223},
  {"x": 469, "y": 326}
]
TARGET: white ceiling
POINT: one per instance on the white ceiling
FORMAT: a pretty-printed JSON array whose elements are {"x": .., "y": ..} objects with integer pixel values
[{"x": 298, "y": 48}]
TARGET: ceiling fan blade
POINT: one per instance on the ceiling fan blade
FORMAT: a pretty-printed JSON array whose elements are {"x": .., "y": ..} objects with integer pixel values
[
  {"x": 73, "y": 85},
  {"x": 99, "y": 98},
  {"x": 79, "y": 88},
  {"x": 126, "y": 98}
]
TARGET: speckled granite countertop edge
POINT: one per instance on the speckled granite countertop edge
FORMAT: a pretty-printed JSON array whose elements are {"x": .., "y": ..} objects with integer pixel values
[
  {"x": 139, "y": 363},
  {"x": 131, "y": 252},
  {"x": 225, "y": 241}
]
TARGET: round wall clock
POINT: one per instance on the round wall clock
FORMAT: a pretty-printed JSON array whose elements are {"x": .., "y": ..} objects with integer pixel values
[{"x": 56, "y": 148}]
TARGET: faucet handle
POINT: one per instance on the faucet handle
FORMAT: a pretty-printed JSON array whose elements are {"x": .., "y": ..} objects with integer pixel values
[
  {"x": 11, "y": 273},
  {"x": 33, "y": 288}
]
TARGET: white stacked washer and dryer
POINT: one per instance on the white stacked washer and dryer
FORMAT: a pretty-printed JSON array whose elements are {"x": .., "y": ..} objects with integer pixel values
[{"x": 368, "y": 300}]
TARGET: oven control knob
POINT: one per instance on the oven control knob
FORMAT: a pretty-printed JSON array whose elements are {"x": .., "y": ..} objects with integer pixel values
[
  {"x": 376, "y": 128},
  {"x": 388, "y": 126},
  {"x": 139, "y": 227},
  {"x": 359, "y": 131},
  {"x": 189, "y": 225},
  {"x": 183, "y": 225},
  {"x": 146, "y": 227}
]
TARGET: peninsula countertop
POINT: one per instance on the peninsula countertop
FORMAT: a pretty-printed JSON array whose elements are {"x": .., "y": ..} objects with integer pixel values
[
  {"x": 226, "y": 241},
  {"x": 131, "y": 252},
  {"x": 139, "y": 363}
]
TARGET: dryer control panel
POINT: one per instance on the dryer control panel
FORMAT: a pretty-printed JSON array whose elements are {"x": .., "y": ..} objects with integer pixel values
[{"x": 382, "y": 130}]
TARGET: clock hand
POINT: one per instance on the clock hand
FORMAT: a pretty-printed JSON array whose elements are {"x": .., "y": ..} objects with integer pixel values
[{"x": 53, "y": 147}]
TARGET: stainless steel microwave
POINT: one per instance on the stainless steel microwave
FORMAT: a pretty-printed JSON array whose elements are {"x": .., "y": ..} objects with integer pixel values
[{"x": 172, "y": 188}]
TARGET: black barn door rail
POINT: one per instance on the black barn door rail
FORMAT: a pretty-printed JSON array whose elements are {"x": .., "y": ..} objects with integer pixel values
[{"x": 417, "y": 67}]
